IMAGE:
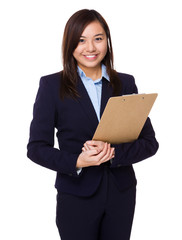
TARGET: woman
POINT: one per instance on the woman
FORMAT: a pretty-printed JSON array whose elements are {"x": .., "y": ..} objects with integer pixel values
[{"x": 95, "y": 181}]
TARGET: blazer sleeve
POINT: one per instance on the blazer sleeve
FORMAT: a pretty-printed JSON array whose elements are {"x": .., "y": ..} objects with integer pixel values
[
  {"x": 144, "y": 147},
  {"x": 41, "y": 142}
]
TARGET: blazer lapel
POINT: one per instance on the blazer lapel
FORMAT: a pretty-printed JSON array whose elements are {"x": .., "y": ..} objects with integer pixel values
[
  {"x": 106, "y": 94},
  {"x": 87, "y": 105}
]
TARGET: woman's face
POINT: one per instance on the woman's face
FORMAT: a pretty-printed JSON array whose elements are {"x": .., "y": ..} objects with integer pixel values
[{"x": 92, "y": 47}]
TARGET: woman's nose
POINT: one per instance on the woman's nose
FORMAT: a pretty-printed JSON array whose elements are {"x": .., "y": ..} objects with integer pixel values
[{"x": 90, "y": 46}]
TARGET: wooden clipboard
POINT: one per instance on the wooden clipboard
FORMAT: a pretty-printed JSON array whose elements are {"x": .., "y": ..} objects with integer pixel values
[{"x": 124, "y": 118}]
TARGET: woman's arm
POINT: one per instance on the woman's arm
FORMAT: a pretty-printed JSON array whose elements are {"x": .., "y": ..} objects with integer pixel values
[
  {"x": 41, "y": 142},
  {"x": 144, "y": 147},
  {"x": 129, "y": 153}
]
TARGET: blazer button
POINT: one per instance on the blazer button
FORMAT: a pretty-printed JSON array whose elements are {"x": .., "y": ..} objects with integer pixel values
[
  {"x": 70, "y": 174},
  {"x": 119, "y": 165}
]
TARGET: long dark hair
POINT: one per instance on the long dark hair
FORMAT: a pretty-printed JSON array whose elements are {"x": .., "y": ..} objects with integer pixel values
[{"x": 72, "y": 32}]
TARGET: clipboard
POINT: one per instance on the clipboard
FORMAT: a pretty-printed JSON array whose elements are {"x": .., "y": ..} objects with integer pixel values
[{"x": 124, "y": 117}]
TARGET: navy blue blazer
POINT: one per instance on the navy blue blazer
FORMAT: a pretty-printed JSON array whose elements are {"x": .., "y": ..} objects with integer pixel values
[{"x": 76, "y": 122}]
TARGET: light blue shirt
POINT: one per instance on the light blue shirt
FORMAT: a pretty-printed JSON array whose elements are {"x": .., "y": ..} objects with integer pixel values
[{"x": 94, "y": 88}]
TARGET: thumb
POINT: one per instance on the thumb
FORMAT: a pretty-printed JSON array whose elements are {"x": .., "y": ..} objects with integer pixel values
[{"x": 90, "y": 142}]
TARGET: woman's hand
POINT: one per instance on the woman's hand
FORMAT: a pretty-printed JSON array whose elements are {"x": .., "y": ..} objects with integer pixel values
[
  {"x": 95, "y": 153},
  {"x": 93, "y": 145}
]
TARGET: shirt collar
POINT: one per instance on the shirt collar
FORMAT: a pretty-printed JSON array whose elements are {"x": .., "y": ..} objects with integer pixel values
[{"x": 104, "y": 73}]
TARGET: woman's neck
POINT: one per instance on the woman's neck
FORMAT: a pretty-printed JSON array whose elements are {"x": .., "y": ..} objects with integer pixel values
[{"x": 93, "y": 73}]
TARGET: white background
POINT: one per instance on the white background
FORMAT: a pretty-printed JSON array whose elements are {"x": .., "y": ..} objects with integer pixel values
[{"x": 147, "y": 43}]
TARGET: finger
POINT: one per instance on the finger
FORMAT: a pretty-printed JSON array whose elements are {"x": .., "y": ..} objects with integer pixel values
[
  {"x": 92, "y": 152},
  {"x": 95, "y": 143},
  {"x": 103, "y": 154},
  {"x": 90, "y": 142},
  {"x": 92, "y": 147},
  {"x": 112, "y": 153},
  {"x": 108, "y": 155},
  {"x": 85, "y": 146}
]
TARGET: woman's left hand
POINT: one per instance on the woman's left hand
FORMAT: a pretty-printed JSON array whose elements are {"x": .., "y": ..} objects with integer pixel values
[{"x": 92, "y": 144}]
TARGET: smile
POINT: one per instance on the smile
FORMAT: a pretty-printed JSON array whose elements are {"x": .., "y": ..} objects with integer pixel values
[{"x": 90, "y": 57}]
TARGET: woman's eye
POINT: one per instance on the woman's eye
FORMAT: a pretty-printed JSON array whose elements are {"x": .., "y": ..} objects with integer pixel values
[
  {"x": 81, "y": 40},
  {"x": 98, "y": 39}
]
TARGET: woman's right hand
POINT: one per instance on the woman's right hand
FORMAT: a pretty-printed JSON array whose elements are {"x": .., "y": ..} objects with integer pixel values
[{"x": 95, "y": 156}]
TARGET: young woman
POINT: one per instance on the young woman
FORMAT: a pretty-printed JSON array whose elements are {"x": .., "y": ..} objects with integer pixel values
[{"x": 95, "y": 181}]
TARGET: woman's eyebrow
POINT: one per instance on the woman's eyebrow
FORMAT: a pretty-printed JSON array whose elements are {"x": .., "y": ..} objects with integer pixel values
[{"x": 99, "y": 34}]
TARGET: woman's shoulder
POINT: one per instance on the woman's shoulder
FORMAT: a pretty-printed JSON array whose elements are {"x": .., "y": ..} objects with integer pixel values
[
  {"x": 51, "y": 79},
  {"x": 50, "y": 84},
  {"x": 128, "y": 83},
  {"x": 125, "y": 77}
]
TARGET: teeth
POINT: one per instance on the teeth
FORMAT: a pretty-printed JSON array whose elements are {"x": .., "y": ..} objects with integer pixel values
[{"x": 90, "y": 56}]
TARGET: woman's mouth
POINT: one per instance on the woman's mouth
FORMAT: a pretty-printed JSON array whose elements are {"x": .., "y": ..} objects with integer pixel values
[{"x": 91, "y": 57}]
